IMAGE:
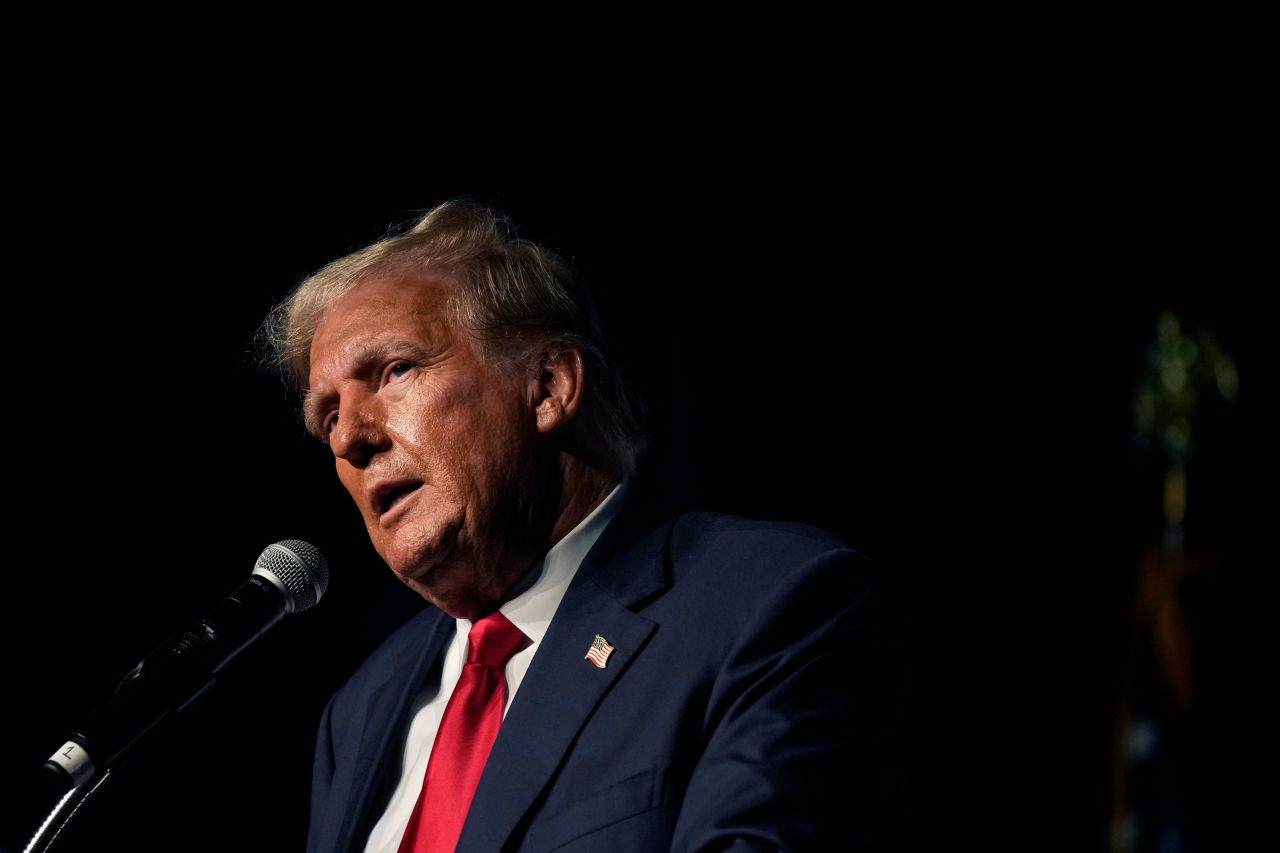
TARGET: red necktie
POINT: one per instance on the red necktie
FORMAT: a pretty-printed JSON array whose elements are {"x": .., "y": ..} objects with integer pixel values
[{"x": 467, "y": 731}]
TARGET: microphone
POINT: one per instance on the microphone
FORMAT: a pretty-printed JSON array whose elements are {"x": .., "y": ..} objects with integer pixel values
[{"x": 289, "y": 577}]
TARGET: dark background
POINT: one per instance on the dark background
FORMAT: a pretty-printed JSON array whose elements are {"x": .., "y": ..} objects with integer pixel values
[{"x": 892, "y": 275}]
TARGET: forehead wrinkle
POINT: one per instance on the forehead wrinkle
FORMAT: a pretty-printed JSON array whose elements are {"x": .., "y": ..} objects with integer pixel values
[{"x": 418, "y": 323}]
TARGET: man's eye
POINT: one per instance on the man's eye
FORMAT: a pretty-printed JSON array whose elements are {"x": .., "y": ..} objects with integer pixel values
[
  {"x": 328, "y": 424},
  {"x": 400, "y": 368}
]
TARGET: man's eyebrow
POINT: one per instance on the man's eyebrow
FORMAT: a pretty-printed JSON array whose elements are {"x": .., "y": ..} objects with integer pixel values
[
  {"x": 311, "y": 404},
  {"x": 361, "y": 362}
]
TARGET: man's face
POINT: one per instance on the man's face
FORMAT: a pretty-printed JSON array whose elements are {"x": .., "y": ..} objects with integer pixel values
[{"x": 436, "y": 446}]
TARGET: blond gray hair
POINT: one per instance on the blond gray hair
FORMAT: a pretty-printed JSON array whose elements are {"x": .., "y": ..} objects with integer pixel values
[{"x": 514, "y": 297}]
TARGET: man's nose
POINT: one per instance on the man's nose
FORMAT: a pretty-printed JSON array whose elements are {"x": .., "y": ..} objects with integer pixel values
[{"x": 360, "y": 431}]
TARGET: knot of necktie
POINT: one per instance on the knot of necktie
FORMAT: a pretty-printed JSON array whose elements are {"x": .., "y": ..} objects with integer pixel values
[{"x": 493, "y": 640}]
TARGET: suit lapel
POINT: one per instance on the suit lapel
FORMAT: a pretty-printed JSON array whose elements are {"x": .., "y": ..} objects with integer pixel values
[
  {"x": 383, "y": 735},
  {"x": 562, "y": 688}
]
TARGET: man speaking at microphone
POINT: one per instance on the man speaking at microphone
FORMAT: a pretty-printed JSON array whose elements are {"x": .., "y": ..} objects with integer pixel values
[{"x": 592, "y": 673}]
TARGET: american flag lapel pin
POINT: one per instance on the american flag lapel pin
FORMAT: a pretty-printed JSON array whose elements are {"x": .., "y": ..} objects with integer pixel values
[{"x": 599, "y": 652}]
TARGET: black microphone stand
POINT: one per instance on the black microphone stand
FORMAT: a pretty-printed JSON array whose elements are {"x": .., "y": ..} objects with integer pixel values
[{"x": 62, "y": 813}]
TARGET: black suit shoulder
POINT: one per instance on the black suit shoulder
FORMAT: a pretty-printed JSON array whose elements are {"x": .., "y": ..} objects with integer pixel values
[{"x": 747, "y": 565}]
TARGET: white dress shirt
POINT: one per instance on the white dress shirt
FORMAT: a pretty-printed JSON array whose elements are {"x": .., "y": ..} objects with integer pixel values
[{"x": 531, "y": 612}]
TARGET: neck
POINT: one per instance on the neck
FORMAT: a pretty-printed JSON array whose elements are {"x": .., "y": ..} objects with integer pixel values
[
  {"x": 585, "y": 487},
  {"x": 581, "y": 488}
]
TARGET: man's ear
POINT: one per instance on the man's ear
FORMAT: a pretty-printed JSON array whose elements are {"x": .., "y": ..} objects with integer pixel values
[{"x": 558, "y": 387}]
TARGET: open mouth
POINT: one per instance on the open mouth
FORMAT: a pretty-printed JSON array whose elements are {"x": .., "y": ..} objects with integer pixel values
[{"x": 392, "y": 496}]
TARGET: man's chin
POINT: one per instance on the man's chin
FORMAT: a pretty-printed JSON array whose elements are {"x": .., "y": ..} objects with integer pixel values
[
  {"x": 458, "y": 603},
  {"x": 415, "y": 576},
  {"x": 433, "y": 581},
  {"x": 415, "y": 553}
]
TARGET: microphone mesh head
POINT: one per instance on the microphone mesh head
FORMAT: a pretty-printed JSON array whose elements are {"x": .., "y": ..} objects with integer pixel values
[{"x": 300, "y": 568}]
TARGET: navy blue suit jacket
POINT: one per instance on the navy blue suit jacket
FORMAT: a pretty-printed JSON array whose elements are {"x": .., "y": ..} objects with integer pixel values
[{"x": 745, "y": 706}]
